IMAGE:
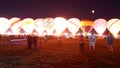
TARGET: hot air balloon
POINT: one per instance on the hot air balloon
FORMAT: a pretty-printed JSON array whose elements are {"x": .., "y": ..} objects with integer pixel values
[
  {"x": 86, "y": 26},
  {"x": 49, "y": 25},
  {"x": 100, "y": 26},
  {"x": 15, "y": 25},
  {"x": 39, "y": 26},
  {"x": 114, "y": 26},
  {"x": 4, "y": 25},
  {"x": 28, "y": 25},
  {"x": 60, "y": 24},
  {"x": 73, "y": 25}
]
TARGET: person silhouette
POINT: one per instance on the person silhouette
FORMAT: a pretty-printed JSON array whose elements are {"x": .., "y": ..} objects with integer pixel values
[
  {"x": 92, "y": 40},
  {"x": 81, "y": 42},
  {"x": 110, "y": 41}
]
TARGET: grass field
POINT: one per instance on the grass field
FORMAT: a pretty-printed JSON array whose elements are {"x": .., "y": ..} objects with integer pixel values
[{"x": 54, "y": 55}]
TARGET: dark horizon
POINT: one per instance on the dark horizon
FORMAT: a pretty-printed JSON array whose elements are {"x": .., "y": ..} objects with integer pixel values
[{"x": 60, "y": 8}]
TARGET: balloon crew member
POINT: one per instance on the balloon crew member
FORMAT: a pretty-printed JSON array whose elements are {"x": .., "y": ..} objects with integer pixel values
[
  {"x": 92, "y": 40},
  {"x": 110, "y": 41},
  {"x": 29, "y": 41},
  {"x": 81, "y": 42},
  {"x": 34, "y": 41}
]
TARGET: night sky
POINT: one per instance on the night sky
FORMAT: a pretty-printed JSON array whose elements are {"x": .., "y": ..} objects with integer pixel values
[{"x": 60, "y": 8}]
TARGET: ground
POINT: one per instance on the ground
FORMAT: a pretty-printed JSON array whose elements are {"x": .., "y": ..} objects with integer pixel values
[{"x": 54, "y": 55}]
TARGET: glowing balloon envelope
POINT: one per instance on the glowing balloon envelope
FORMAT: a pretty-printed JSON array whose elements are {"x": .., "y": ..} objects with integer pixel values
[
  {"x": 86, "y": 26},
  {"x": 39, "y": 26},
  {"x": 114, "y": 26},
  {"x": 100, "y": 26},
  {"x": 16, "y": 25},
  {"x": 73, "y": 25},
  {"x": 60, "y": 24},
  {"x": 28, "y": 25},
  {"x": 4, "y": 25},
  {"x": 49, "y": 25}
]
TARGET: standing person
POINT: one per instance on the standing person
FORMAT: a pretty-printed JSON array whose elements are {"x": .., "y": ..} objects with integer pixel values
[
  {"x": 92, "y": 40},
  {"x": 34, "y": 41},
  {"x": 110, "y": 41},
  {"x": 29, "y": 41},
  {"x": 81, "y": 42}
]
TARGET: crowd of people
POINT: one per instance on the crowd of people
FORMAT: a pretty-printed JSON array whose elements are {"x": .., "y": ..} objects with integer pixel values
[
  {"x": 33, "y": 44},
  {"x": 92, "y": 40},
  {"x": 32, "y": 41}
]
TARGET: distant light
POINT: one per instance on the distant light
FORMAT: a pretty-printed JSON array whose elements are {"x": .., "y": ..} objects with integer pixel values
[{"x": 93, "y": 11}]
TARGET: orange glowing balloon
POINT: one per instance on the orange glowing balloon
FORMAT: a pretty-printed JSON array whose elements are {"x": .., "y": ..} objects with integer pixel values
[{"x": 86, "y": 26}]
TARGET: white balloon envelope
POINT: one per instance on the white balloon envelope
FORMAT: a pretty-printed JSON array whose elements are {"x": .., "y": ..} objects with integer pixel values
[
  {"x": 49, "y": 25},
  {"x": 16, "y": 25},
  {"x": 100, "y": 26},
  {"x": 60, "y": 24},
  {"x": 28, "y": 25},
  {"x": 4, "y": 25},
  {"x": 114, "y": 26},
  {"x": 39, "y": 25},
  {"x": 73, "y": 25}
]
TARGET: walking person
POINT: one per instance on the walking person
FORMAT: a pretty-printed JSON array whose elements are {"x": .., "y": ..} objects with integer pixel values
[
  {"x": 81, "y": 42},
  {"x": 92, "y": 40},
  {"x": 110, "y": 41}
]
